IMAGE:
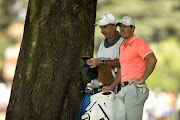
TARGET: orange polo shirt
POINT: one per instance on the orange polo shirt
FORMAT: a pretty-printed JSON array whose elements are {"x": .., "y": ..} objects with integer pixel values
[{"x": 132, "y": 58}]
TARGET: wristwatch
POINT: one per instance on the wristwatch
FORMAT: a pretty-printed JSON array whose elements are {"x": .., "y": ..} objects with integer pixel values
[{"x": 102, "y": 63}]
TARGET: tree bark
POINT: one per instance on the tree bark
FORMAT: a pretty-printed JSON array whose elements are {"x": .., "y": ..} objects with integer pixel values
[{"x": 46, "y": 83}]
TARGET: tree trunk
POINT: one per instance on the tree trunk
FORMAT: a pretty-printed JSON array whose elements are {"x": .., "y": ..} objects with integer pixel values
[{"x": 46, "y": 83}]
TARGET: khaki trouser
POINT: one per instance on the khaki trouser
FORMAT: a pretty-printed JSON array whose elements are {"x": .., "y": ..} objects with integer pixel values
[{"x": 129, "y": 103}]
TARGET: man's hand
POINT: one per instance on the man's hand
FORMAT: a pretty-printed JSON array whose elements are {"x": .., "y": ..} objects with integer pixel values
[
  {"x": 137, "y": 81},
  {"x": 140, "y": 83},
  {"x": 143, "y": 87},
  {"x": 106, "y": 88},
  {"x": 94, "y": 62}
]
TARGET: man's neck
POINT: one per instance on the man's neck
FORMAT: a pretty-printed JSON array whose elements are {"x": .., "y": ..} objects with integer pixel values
[
  {"x": 113, "y": 37},
  {"x": 127, "y": 40}
]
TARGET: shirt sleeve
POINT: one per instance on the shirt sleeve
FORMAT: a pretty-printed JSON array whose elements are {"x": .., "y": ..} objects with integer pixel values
[{"x": 144, "y": 49}]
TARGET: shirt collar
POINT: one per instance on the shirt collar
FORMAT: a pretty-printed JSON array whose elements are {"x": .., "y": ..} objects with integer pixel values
[
  {"x": 132, "y": 39},
  {"x": 113, "y": 42}
]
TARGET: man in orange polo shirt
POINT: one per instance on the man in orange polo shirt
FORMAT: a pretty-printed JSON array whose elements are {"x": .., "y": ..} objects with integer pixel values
[{"x": 137, "y": 62}]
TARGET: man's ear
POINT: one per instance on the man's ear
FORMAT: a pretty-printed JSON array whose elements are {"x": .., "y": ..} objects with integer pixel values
[
  {"x": 114, "y": 26},
  {"x": 133, "y": 28}
]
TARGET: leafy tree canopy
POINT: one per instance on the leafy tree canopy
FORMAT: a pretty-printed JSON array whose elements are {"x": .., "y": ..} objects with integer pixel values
[{"x": 167, "y": 72}]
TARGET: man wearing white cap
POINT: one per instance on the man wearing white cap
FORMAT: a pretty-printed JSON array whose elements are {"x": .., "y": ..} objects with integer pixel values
[
  {"x": 137, "y": 62},
  {"x": 108, "y": 52},
  {"x": 108, "y": 55}
]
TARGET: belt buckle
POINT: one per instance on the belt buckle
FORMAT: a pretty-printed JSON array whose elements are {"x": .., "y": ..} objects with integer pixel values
[{"x": 125, "y": 83}]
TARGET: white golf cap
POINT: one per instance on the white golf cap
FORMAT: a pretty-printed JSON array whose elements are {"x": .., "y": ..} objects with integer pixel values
[
  {"x": 106, "y": 19},
  {"x": 126, "y": 20}
]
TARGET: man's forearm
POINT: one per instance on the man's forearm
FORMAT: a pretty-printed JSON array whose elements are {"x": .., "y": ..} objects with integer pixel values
[
  {"x": 150, "y": 65},
  {"x": 95, "y": 62},
  {"x": 112, "y": 63},
  {"x": 117, "y": 80}
]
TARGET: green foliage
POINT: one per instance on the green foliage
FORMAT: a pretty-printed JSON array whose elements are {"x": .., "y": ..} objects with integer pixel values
[
  {"x": 167, "y": 72},
  {"x": 5, "y": 12},
  {"x": 10, "y": 10},
  {"x": 156, "y": 20},
  {"x": 5, "y": 42}
]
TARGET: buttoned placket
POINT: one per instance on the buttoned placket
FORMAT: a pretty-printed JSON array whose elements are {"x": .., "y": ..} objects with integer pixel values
[{"x": 129, "y": 42}]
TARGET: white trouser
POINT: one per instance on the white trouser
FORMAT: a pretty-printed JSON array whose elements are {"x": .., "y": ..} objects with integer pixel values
[{"x": 129, "y": 103}]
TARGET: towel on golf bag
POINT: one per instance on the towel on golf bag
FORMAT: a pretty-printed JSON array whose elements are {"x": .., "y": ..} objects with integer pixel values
[{"x": 106, "y": 75}]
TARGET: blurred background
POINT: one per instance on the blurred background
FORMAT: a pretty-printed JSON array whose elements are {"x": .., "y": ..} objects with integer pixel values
[
  {"x": 157, "y": 22},
  {"x": 12, "y": 18}
]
